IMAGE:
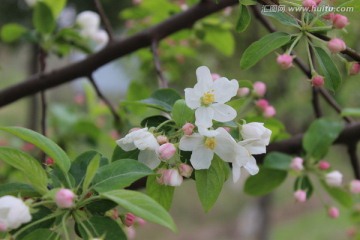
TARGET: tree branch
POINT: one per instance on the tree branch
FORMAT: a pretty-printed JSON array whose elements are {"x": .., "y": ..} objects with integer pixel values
[
  {"x": 111, "y": 52},
  {"x": 42, "y": 67},
  {"x": 105, "y": 20},
  {"x": 163, "y": 83},
  {"x": 354, "y": 159}
]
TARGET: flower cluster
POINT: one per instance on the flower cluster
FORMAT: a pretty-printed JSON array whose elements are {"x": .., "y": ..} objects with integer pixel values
[{"x": 208, "y": 100}]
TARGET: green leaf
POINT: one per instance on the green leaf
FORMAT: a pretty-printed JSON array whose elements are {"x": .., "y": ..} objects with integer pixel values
[
  {"x": 245, "y": 84},
  {"x": 351, "y": 112},
  {"x": 161, "y": 193},
  {"x": 304, "y": 183},
  {"x": 42, "y": 234},
  {"x": 320, "y": 136},
  {"x": 221, "y": 39},
  {"x": 12, "y": 32},
  {"x": 341, "y": 196},
  {"x": 119, "y": 154},
  {"x": 100, "y": 207},
  {"x": 119, "y": 174},
  {"x": 328, "y": 69},
  {"x": 91, "y": 171},
  {"x": 264, "y": 182},
  {"x": 182, "y": 113},
  {"x": 43, "y": 18},
  {"x": 142, "y": 206},
  {"x": 155, "y": 121},
  {"x": 209, "y": 182},
  {"x": 18, "y": 189},
  {"x": 282, "y": 18},
  {"x": 55, "y": 6},
  {"x": 248, "y": 2},
  {"x": 278, "y": 161},
  {"x": 162, "y": 99},
  {"x": 44, "y": 143},
  {"x": 102, "y": 227},
  {"x": 244, "y": 19},
  {"x": 29, "y": 166},
  {"x": 259, "y": 49}
]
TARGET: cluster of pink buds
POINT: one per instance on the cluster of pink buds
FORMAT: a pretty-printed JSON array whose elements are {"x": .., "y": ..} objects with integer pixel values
[
  {"x": 174, "y": 176},
  {"x": 311, "y": 4},
  {"x": 262, "y": 104},
  {"x": 338, "y": 21}
]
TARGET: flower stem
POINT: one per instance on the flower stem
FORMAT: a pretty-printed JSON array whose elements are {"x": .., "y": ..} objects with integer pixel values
[
  {"x": 163, "y": 123},
  {"x": 309, "y": 57},
  {"x": 297, "y": 39},
  {"x": 63, "y": 223}
]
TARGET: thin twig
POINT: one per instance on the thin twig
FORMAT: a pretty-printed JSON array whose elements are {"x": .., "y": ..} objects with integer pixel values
[
  {"x": 354, "y": 159},
  {"x": 116, "y": 116},
  {"x": 163, "y": 83},
  {"x": 315, "y": 91},
  {"x": 105, "y": 20},
  {"x": 42, "y": 64}
]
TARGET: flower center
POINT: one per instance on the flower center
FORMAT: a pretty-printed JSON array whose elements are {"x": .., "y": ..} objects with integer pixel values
[
  {"x": 210, "y": 143},
  {"x": 208, "y": 98}
]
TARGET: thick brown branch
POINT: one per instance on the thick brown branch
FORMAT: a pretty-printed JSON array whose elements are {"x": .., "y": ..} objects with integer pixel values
[
  {"x": 354, "y": 159},
  {"x": 163, "y": 83},
  {"x": 105, "y": 20},
  {"x": 111, "y": 52},
  {"x": 316, "y": 102}
]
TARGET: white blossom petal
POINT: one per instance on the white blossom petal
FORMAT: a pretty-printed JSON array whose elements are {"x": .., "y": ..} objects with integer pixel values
[
  {"x": 225, "y": 146},
  {"x": 224, "y": 89},
  {"x": 125, "y": 145},
  {"x": 192, "y": 98},
  {"x": 149, "y": 158},
  {"x": 236, "y": 172},
  {"x": 206, "y": 132},
  {"x": 147, "y": 142},
  {"x": 251, "y": 166},
  {"x": 223, "y": 112},
  {"x": 201, "y": 158},
  {"x": 254, "y": 146},
  {"x": 204, "y": 116},
  {"x": 189, "y": 143},
  {"x": 204, "y": 79}
]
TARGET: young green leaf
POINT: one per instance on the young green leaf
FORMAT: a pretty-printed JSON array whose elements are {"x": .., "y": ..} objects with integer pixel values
[
  {"x": 282, "y": 18},
  {"x": 264, "y": 182},
  {"x": 119, "y": 174},
  {"x": 142, "y": 206},
  {"x": 160, "y": 193},
  {"x": 29, "y": 166},
  {"x": 244, "y": 19},
  {"x": 209, "y": 182},
  {"x": 319, "y": 137},
  {"x": 12, "y": 32},
  {"x": 44, "y": 143},
  {"x": 43, "y": 19},
  {"x": 221, "y": 39},
  {"x": 278, "y": 161},
  {"x": 42, "y": 234},
  {"x": 259, "y": 49},
  {"x": 91, "y": 171},
  {"x": 55, "y": 6},
  {"x": 181, "y": 113},
  {"x": 162, "y": 99},
  {"x": 328, "y": 69},
  {"x": 341, "y": 196}
]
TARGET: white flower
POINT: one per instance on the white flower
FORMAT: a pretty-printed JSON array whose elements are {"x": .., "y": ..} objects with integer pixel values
[
  {"x": 13, "y": 213},
  {"x": 30, "y": 3},
  {"x": 256, "y": 137},
  {"x": 89, "y": 22},
  {"x": 243, "y": 159},
  {"x": 208, "y": 98},
  {"x": 100, "y": 37},
  {"x": 334, "y": 179},
  {"x": 145, "y": 141},
  {"x": 203, "y": 148}
]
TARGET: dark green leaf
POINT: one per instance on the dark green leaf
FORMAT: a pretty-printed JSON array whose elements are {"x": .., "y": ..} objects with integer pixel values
[
  {"x": 119, "y": 174},
  {"x": 209, "y": 182},
  {"x": 42, "y": 234},
  {"x": 328, "y": 69},
  {"x": 264, "y": 182},
  {"x": 162, "y": 99},
  {"x": 160, "y": 193},
  {"x": 43, "y": 18},
  {"x": 142, "y": 206},
  {"x": 282, "y": 17},
  {"x": 278, "y": 161},
  {"x": 244, "y": 19},
  {"x": 155, "y": 121},
  {"x": 181, "y": 113},
  {"x": 259, "y": 49},
  {"x": 100, "y": 207},
  {"x": 119, "y": 153},
  {"x": 18, "y": 189},
  {"x": 12, "y": 32},
  {"x": 319, "y": 137}
]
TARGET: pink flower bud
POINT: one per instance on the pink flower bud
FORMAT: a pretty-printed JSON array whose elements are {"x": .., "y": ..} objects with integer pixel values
[
  {"x": 323, "y": 165},
  {"x": 262, "y": 104},
  {"x": 355, "y": 186},
  {"x": 140, "y": 221},
  {"x": 351, "y": 232},
  {"x": 300, "y": 196},
  {"x": 285, "y": 61},
  {"x": 162, "y": 139},
  {"x": 129, "y": 219},
  {"x": 114, "y": 135},
  {"x": 172, "y": 177},
  {"x": 297, "y": 164},
  {"x": 49, "y": 161},
  {"x": 334, "y": 179},
  {"x": 317, "y": 81},
  {"x": 188, "y": 128},
  {"x": 336, "y": 45},
  {"x": 340, "y": 21},
  {"x": 242, "y": 92},
  {"x": 259, "y": 88},
  {"x": 329, "y": 16},
  {"x": 167, "y": 151},
  {"x": 354, "y": 68},
  {"x": 64, "y": 198},
  {"x": 269, "y": 112},
  {"x": 310, "y": 4},
  {"x": 215, "y": 76},
  {"x": 185, "y": 170},
  {"x": 333, "y": 212}
]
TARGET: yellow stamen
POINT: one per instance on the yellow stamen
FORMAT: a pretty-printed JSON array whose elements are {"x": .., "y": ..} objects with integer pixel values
[
  {"x": 210, "y": 143},
  {"x": 208, "y": 98}
]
